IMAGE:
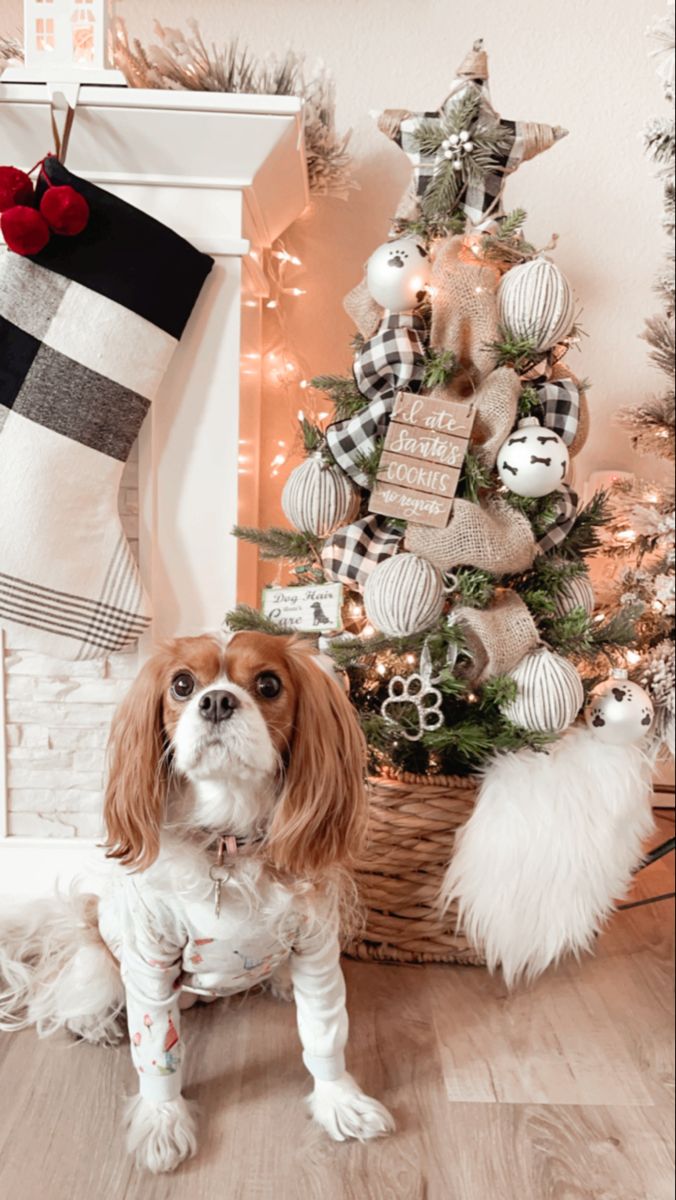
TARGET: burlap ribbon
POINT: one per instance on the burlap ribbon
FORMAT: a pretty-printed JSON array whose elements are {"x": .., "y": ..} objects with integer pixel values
[
  {"x": 464, "y": 316},
  {"x": 495, "y": 406},
  {"x": 366, "y": 313},
  {"x": 498, "y": 637},
  {"x": 492, "y": 536}
]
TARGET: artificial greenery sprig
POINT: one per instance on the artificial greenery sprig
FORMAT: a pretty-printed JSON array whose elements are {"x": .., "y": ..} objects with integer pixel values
[{"x": 281, "y": 543}]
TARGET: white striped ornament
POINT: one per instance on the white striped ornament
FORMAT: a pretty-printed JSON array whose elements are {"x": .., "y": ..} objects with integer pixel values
[
  {"x": 550, "y": 693},
  {"x": 318, "y": 498},
  {"x": 404, "y": 595},
  {"x": 536, "y": 302},
  {"x": 575, "y": 593}
]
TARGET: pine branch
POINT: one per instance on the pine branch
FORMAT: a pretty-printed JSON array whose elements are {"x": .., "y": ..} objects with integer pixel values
[
  {"x": 430, "y": 229},
  {"x": 474, "y": 478},
  {"x": 281, "y": 543},
  {"x": 343, "y": 392},
  {"x": 651, "y": 425},
  {"x": 439, "y": 367},
  {"x": 659, "y": 333},
  {"x": 529, "y": 401},
  {"x": 541, "y": 512},
  {"x": 519, "y": 353},
  {"x": 511, "y": 224},
  {"x": 473, "y": 587},
  {"x": 584, "y": 538},
  {"x": 244, "y": 618},
  {"x": 497, "y": 692},
  {"x": 313, "y": 437},
  {"x": 545, "y": 582},
  {"x": 368, "y": 462}
]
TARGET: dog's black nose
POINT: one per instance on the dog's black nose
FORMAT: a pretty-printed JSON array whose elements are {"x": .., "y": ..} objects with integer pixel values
[{"x": 218, "y": 706}]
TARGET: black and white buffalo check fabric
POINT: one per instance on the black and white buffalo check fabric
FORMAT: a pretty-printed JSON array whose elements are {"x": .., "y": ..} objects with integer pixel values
[
  {"x": 567, "y": 504},
  {"x": 393, "y": 360},
  {"x": 481, "y": 196},
  {"x": 87, "y": 329},
  {"x": 559, "y": 407},
  {"x": 351, "y": 553}
]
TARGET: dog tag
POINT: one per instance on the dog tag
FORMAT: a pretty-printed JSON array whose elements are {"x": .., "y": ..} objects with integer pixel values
[{"x": 218, "y": 873}]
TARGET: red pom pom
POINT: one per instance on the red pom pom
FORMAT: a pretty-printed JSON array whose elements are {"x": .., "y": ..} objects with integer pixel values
[
  {"x": 65, "y": 210},
  {"x": 15, "y": 188},
  {"x": 24, "y": 230}
]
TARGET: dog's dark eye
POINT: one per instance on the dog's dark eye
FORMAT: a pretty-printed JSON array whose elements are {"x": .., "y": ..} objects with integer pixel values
[
  {"x": 268, "y": 685},
  {"x": 182, "y": 685}
]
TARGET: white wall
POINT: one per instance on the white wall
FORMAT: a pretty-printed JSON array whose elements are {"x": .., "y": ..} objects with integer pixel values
[{"x": 580, "y": 63}]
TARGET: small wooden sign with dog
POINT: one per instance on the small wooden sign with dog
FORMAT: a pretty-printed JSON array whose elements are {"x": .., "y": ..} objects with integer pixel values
[
  {"x": 422, "y": 458},
  {"x": 310, "y": 608}
]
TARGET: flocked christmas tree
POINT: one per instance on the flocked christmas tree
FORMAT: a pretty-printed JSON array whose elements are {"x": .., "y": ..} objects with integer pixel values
[
  {"x": 438, "y": 496},
  {"x": 642, "y": 534}
]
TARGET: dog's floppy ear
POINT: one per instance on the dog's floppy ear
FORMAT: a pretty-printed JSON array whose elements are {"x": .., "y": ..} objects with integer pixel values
[
  {"x": 321, "y": 816},
  {"x": 137, "y": 775}
]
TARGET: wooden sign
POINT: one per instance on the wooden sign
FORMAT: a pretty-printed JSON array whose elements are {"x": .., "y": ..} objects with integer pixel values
[
  {"x": 422, "y": 458},
  {"x": 312, "y": 608}
]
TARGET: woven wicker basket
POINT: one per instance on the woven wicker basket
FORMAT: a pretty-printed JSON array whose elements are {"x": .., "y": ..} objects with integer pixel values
[{"x": 412, "y": 826}]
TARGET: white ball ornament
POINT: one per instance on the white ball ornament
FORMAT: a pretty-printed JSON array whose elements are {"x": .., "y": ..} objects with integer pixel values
[
  {"x": 618, "y": 711},
  {"x": 575, "y": 593},
  {"x": 404, "y": 595},
  {"x": 536, "y": 303},
  {"x": 318, "y": 497},
  {"x": 550, "y": 693},
  {"x": 533, "y": 461},
  {"x": 397, "y": 274}
]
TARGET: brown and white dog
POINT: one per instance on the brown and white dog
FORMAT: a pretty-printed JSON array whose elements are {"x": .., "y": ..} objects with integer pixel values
[{"x": 235, "y": 801}]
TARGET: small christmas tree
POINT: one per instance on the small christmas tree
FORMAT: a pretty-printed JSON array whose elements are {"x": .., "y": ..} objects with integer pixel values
[
  {"x": 643, "y": 531},
  {"x": 437, "y": 497}
]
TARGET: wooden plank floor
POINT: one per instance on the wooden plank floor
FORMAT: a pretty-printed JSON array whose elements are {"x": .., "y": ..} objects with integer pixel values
[{"x": 563, "y": 1091}]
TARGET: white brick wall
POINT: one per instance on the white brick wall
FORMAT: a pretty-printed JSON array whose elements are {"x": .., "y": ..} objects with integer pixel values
[{"x": 58, "y": 717}]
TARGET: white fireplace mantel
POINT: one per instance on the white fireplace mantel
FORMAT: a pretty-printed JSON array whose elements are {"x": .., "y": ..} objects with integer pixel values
[{"x": 227, "y": 172}]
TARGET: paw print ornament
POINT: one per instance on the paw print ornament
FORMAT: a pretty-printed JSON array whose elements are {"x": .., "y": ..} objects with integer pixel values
[
  {"x": 619, "y": 712},
  {"x": 417, "y": 693},
  {"x": 397, "y": 274},
  {"x": 533, "y": 461}
]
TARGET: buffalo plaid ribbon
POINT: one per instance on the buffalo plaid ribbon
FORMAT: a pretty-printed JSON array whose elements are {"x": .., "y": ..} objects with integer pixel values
[
  {"x": 389, "y": 362},
  {"x": 567, "y": 505},
  {"x": 351, "y": 553},
  {"x": 559, "y": 406}
]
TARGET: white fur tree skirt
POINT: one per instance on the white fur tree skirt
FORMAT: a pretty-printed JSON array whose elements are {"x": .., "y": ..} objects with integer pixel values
[{"x": 549, "y": 849}]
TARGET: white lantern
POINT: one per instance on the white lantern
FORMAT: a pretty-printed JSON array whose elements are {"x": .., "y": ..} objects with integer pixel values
[
  {"x": 618, "y": 711},
  {"x": 533, "y": 461},
  {"x": 397, "y": 274},
  {"x": 67, "y": 42},
  {"x": 318, "y": 497},
  {"x": 550, "y": 693},
  {"x": 536, "y": 303},
  {"x": 404, "y": 595}
]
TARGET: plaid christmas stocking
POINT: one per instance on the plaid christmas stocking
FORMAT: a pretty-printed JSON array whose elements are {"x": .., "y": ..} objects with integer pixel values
[{"x": 87, "y": 329}]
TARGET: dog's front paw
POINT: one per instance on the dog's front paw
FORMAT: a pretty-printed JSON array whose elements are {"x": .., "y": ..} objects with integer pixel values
[
  {"x": 160, "y": 1135},
  {"x": 342, "y": 1109}
]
